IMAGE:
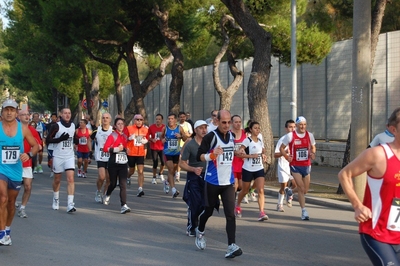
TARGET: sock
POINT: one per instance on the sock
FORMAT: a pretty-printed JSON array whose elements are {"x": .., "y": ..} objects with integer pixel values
[
  {"x": 70, "y": 199},
  {"x": 280, "y": 199},
  {"x": 2, "y": 233},
  {"x": 173, "y": 190},
  {"x": 8, "y": 230},
  {"x": 303, "y": 209},
  {"x": 56, "y": 194},
  {"x": 140, "y": 189},
  {"x": 22, "y": 207}
]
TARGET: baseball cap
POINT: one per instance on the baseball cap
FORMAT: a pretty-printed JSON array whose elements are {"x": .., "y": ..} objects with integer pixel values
[
  {"x": 9, "y": 103},
  {"x": 300, "y": 119},
  {"x": 200, "y": 123}
]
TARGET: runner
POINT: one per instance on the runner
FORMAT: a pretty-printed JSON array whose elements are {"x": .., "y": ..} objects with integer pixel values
[
  {"x": 157, "y": 147},
  {"x": 116, "y": 145},
  {"x": 378, "y": 213},
  {"x": 237, "y": 163},
  {"x": 83, "y": 146},
  {"x": 253, "y": 154},
  {"x": 41, "y": 129},
  {"x": 12, "y": 134},
  {"x": 193, "y": 194},
  {"x": 50, "y": 146},
  {"x": 137, "y": 150},
  {"x": 301, "y": 151},
  {"x": 170, "y": 136},
  {"x": 99, "y": 137},
  {"x": 62, "y": 135},
  {"x": 188, "y": 131},
  {"x": 217, "y": 150}
]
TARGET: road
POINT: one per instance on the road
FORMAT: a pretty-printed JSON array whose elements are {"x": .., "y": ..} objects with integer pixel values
[{"x": 154, "y": 232}]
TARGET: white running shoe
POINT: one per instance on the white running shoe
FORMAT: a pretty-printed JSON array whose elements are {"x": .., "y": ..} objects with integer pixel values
[
  {"x": 289, "y": 202},
  {"x": 98, "y": 198},
  {"x": 51, "y": 174},
  {"x": 304, "y": 215},
  {"x": 71, "y": 207},
  {"x": 79, "y": 173},
  {"x": 154, "y": 181},
  {"x": 177, "y": 177},
  {"x": 161, "y": 177},
  {"x": 200, "y": 240},
  {"x": 245, "y": 199},
  {"x": 5, "y": 241},
  {"x": 106, "y": 200},
  {"x": 22, "y": 213},
  {"x": 253, "y": 196},
  {"x": 166, "y": 187},
  {"x": 125, "y": 209},
  {"x": 56, "y": 204},
  {"x": 233, "y": 251},
  {"x": 279, "y": 208}
]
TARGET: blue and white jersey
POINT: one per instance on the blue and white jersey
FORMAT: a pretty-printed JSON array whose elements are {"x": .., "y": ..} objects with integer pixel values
[
  {"x": 11, "y": 149},
  {"x": 219, "y": 171},
  {"x": 171, "y": 145},
  {"x": 40, "y": 128}
]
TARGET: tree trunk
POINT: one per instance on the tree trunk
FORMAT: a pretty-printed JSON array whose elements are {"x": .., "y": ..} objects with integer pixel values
[
  {"x": 259, "y": 77},
  {"x": 376, "y": 25},
  {"x": 171, "y": 37},
  {"x": 226, "y": 94},
  {"x": 95, "y": 96},
  {"x": 87, "y": 86}
]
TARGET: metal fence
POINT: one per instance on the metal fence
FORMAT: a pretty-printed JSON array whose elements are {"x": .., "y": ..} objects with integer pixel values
[{"x": 324, "y": 91}]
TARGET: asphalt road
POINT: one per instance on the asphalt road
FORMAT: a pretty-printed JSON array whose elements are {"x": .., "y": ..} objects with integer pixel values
[{"x": 154, "y": 232}]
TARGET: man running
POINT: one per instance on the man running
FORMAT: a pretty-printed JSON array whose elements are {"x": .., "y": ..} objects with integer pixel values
[
  {"x": 301, "y": 151},
  {"x": 83, "y": 146},
  {"x": 61, "y": 135},
  {"x": 41, "y": 129},
  {"x": 12, "y": 134},
  {"x": 157, "y": 147},
  {"x": 99, "y": 136},
  {"x": 217, "y": 150},
  {"x": 53, "y": 120},
  {"x": 188, "y": 131}
]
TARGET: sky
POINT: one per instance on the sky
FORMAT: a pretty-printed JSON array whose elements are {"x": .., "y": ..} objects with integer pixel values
[{"x": 5, "y": 21}]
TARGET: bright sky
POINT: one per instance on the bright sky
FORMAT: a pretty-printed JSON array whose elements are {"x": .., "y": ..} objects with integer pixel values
[{"x": 5, "y": 21}]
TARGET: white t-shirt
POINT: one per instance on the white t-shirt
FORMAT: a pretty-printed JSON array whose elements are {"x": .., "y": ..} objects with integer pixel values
[{"x": 253, "y": 147}]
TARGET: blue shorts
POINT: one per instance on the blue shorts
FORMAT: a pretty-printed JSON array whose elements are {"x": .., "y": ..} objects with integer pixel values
[
  {"x": 83, "y": 155},
  {"x": 14, "y": 185},
  {"x": 248, "y": 176},
  {"x": 303, "y": 170}
]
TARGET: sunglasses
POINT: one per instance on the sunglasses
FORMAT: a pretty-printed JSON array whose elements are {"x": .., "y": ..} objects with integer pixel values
[
  {"x": 138, "y": 119},
  {"x": 226, "y": 122}
]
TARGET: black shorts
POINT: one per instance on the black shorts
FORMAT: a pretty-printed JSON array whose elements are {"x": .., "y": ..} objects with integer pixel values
[
  {"x": 135, "y": 160},
  {"x": 248, "y": 176},
  {"x": 102, "y": 164},
  {"x": 173, "y": 158}
]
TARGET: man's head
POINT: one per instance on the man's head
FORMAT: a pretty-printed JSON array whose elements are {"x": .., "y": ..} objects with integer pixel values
[
  {"x": 200, "y": 128},
  {"x": 182, "y": 117},
  {"x": 65, "y": 114},
  {"x": 83, "y": 123},
  {"x": 187, "y": 115},
  {"x": 301, "y": 124},
  {"x": 236, "y": 122},
  {"x": 172, "y": 120},
  {"x": 35, "y": 117},
  {"x": 138, "y": 119},
  {"x": 214, "y": 115},
  {"x": 53, "y": 117},
  {"x": 23, "y": 116},
  {"x": 9, "y": 110},
  {"x": 394, "y": 120},
  {"x": 106, "y": 120},
  {"x": 224, "y": 121},
  {"x": 290, "y": 125},
  {"x": 159, "y": 119}
]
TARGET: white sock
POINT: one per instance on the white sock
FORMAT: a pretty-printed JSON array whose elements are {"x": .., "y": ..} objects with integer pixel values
[
  {"x": 22, "y": 207},
  {"x": 70, "y": 199},
  {"x": 280, "y": 199},
  {"x": 173, "y": 190},
  {"x": 56, "y": 194},
  {"x": 140, "y": 188}
]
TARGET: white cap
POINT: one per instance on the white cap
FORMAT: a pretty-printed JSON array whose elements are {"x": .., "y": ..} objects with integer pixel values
[
  {"x": 300, "y": 119},
  {"x": 9, "y": 103},
  {"x": 200, "y": 123}
]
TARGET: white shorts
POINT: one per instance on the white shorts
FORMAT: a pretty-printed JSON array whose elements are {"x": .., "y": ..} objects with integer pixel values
[
  {"x": 63, "y": 164},
  {"x": 27, "y": 172},
  {"x": 284, "y": 176}
]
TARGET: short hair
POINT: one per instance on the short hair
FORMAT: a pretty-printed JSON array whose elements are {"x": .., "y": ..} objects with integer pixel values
[
  {"x": 84, "y": 121},
  {"x": 235, "y": 116},
  {"x": 182, "y": 113},
  {"x": 394, "y": 118},
  {"x": 290, "y": 121},
  {"x": 162, "y": 117},
  {"x": 172, "y": 114},
  {"x": 55, "y": 114},
  {"x": 118, "y": 119}
]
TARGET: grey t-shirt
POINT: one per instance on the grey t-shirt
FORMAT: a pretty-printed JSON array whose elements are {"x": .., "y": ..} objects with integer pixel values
[{"x": 190, "y": 152}]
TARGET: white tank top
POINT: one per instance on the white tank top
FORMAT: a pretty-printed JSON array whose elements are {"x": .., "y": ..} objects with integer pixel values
[
  {"x": 101, "y": 137},
  {"x": 64, "y": 149}
]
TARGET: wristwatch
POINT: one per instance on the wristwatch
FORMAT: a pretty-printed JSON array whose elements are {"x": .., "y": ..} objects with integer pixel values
[{"x": 30, "y": 154}]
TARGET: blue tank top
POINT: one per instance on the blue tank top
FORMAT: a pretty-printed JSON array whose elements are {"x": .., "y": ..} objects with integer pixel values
[
  {"x": 171, "y": 145},
  {"x": 11, "y": 149}
]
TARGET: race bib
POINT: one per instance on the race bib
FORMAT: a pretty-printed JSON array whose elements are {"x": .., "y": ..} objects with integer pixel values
[
  {"x": 102, "y": 155},
  {"x": 237, "y": 146},
  {"x": 302, "y": 154},
  {"x": 67, "y": 144},
  {"x": 121, "y": 158},
  {"x": 83, "y": 141},
  {"x": 10, "y": 154},
  {"x": 256, "y": 161},
  {"x": 227, "y": 156},
  {"x": 137, "y": 141},
  {"x": 172, "y": 144},
  {"x": 157, "y": 136},
  {"x": 394, "y": 216}
]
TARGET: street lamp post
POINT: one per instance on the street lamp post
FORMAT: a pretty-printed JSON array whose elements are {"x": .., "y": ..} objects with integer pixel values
[{"x": 293, "y": 60}]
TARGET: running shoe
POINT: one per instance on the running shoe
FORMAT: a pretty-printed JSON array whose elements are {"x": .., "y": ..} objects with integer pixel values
[
  {"x": 98, "y": 198},
  {"x": 200, "y": 240},
  {"x": 56, "y": 204},
  {"x": 125, "y": 209},
  {"x": 51, "y": 174},
  {"x": 161, "y": 177},
  {"x": 71, "y": 207},
  {"x": 245, "y": 199},
  {"x": 40, "y": 169},
  {"x": 304, "y": 215},
  {"x": 191, "y": 233},
  {"x": 166, "y": 187},
  {"x": 140, "y": 193},
  {"x": 154, "y": 181},
  {"x": 288, "y": 194},
  {"x": 253, "y": 196},
  {"x": 176, "y": 194},
  {"x": 83, "y": 174},
  {"x": 238, "y": 212},
  {"x": 5, "y": 240},
  {"x": 22, "y": 213},
  {"x": 177, "y": 177},
  {"x": 35, "y": 170},
  {"x": 106, "y": 200},
  {"x": 79, "y": 173},
  {"x": 289, "y": 202},
  {"x": 279, "y": 208},
  {"x": 263, "y": 217},
  {"x": 128, "y": 182},
  {"x": 233, "y": 251}
]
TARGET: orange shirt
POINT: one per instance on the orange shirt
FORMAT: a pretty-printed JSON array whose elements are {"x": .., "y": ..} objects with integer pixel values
[{"x": 135, "y": 146}]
